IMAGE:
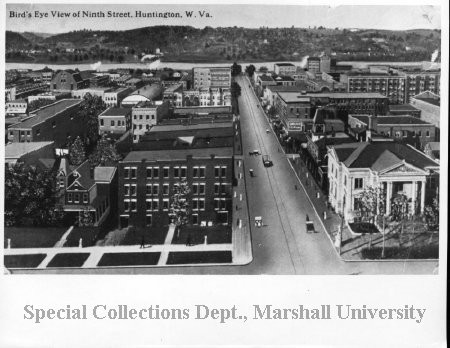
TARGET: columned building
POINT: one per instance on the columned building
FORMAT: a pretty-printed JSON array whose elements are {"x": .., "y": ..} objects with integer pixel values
[{"x": 398, "y": 169}]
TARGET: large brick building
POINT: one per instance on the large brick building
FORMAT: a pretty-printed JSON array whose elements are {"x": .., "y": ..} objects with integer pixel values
[
  {"x": 147, "y": 180},
  {"x": 145, "y": 115},
  {"x": 58, "y": 122},
  {"x": 210, "y": 77},
  {"x": 114, "y": 121}
]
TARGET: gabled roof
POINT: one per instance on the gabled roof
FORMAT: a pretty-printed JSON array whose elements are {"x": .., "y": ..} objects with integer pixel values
[
  {"x": 379, "y": 155},
  {"x": 84, "y": 179}
]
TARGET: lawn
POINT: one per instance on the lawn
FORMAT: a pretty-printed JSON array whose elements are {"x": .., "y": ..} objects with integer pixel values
[
  {"x": 33, "y": 237},
  {"x": 88, "y": 234},
  {"x": 216, "y": 234},
  {"x": 68, "y": 260},
  {"x": 129, "y": 259},
  {"x": 23, "y": 261},
  {"x": 419, "y": 252},
  {"x": 152, "y": 235},
  {"x": 196, "y": 257}
]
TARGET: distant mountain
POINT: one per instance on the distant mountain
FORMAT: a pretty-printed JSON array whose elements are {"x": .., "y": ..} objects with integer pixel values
[
  {"x": 16, "y": 40},
  {"x": 185, "y": 43},
  {"x": 35, "y": 37}
]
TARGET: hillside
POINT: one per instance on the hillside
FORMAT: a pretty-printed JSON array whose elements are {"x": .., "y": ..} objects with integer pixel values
[
  {"x": 184, "y": 43},
  {"x": 15, "y": 40}
]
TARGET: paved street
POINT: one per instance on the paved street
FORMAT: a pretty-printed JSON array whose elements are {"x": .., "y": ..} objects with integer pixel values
[{"x": 281, "y": 245}]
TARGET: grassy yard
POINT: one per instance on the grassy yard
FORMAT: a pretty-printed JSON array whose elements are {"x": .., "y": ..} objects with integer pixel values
[
  {"x": 423, "y": 252},
  {"x": 23, "y": 261},
  {"x": 198, "y": 257},
  {"x": 33, "y": 237},
  {"x": 88, "y": 234},
  {"x": 129, "y": 259},
  {"x": 68, "y": 260},
  {"x": 216, "y": 234},
  {"x": 152, "y": 235}
]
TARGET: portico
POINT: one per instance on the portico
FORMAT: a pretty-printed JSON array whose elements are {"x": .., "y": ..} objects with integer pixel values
[{"x": 405, "y": 179}]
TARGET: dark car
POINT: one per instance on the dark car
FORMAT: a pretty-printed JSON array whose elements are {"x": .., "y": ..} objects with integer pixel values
[{"x": 310, "y": 227}]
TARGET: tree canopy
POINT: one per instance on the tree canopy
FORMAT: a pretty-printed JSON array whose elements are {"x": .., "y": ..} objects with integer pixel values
[
  {"x": 104, "y": 153},
  {"x": 179, "y": 211},
  {"x": 30, "y": 196}
]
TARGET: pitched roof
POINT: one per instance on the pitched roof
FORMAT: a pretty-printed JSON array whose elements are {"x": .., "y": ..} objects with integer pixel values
[
  {"x": 379, "y": 155},
  {"x": 47, "y": 112},
  {"x": 17, "y": 150}
]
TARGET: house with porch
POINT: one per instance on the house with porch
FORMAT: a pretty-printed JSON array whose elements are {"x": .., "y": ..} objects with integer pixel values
[
  {"x": 86, "y": 188},
  {"x": 397, "y": 168}
]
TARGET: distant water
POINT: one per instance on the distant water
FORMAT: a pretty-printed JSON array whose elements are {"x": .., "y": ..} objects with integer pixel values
[{"x": 187, "y": 66}]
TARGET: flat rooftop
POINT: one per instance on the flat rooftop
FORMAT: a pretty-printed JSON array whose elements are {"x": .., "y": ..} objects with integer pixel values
[
  {"x": 17, "y": 150},
  {"x": 431, "y": 101},
  {"x": 179, "y": 127},
  {"x": 116, "y": 112},
  {"x": 284, "y": 64},
  {"x": 178, "y": 154},
  {"x": 290, "y": 97},
  {"x": 46, "y": 112},
  {"x": 393, "y": 120}
]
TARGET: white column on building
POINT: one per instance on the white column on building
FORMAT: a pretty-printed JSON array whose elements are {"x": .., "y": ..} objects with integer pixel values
[
  {"x": 388, "y": 197},
  {"x": 414, "y": 196},
  {"x": 422, "y": 196}
]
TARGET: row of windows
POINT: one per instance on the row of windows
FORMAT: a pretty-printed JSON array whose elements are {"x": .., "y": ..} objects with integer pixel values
[
  {"x": 178, "y": 172},
  {"x": 120, "y": 123},
  {"x": 141, "y": 117},
  {"x": 404, "y": 133},
  {"x": 153, "y": 189},
  {"x": 198, "y": 204},
  {"x": 75, "y": 197}
]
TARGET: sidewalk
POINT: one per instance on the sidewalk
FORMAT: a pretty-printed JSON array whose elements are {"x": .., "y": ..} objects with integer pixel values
[{"x": 241, "y": 238}]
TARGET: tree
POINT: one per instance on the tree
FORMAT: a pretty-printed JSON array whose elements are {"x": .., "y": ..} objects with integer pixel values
[
  {"x": 179, "y": 211},
  {"x": 39, "y": 103},
  {"x": 85, "y": 218},
  {"x": 90, "y": 108},
  {"x": 250, "y": 70},
  {"x": 236, "y": 69},
  {"x": 431, "y": 213},
  {"x": 77, "y": 152},
  {"x": 105, "y": 152},
  {"x": 30, "y": 196},
  {"x": 272, "y": 112},
  {"x": 235, "y": 90},
  {"x": 372, "y": 202}
]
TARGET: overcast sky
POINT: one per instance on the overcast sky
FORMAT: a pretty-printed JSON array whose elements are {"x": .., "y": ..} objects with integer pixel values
[{"x": 251, "y": 16}]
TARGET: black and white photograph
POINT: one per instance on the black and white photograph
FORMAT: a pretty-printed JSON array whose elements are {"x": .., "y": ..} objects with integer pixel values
[{"x": 217, "y": 139}]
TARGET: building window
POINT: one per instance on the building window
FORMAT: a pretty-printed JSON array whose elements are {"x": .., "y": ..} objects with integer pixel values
[
  {"x": 113, "y": 123},
  {"x": 76, "y": 198},
  {"x": 201, "y": 204},
  {"x": 358, "y": 183},
  {"x": 148, "y": 220},
  {"x": 133, "y": 172},
  {"x": 183, "y": 172},
  {"x": 195, "y": 219},
  {"x": 165, "y": 189},
  {"x": 201, "y": 190},
  {"x": 165, "y": 205},
  {"x": 202, "y": 172},
  {"x": 195, "y": 172},
  {"x": 195, "y": 189},
  {"x": 85, "y": 197},
  {"x": 166, "y": 172},
  {"x": 428, "y": 134},
  {"x": 54, "y": 124},
  {"x": 69, "y": 198},
  {"x": 176, "y": 172}
]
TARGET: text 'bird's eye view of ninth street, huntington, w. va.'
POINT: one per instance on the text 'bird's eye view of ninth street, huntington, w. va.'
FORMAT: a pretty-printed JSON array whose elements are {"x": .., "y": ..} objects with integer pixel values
[{"x": 188, "y": 139}]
